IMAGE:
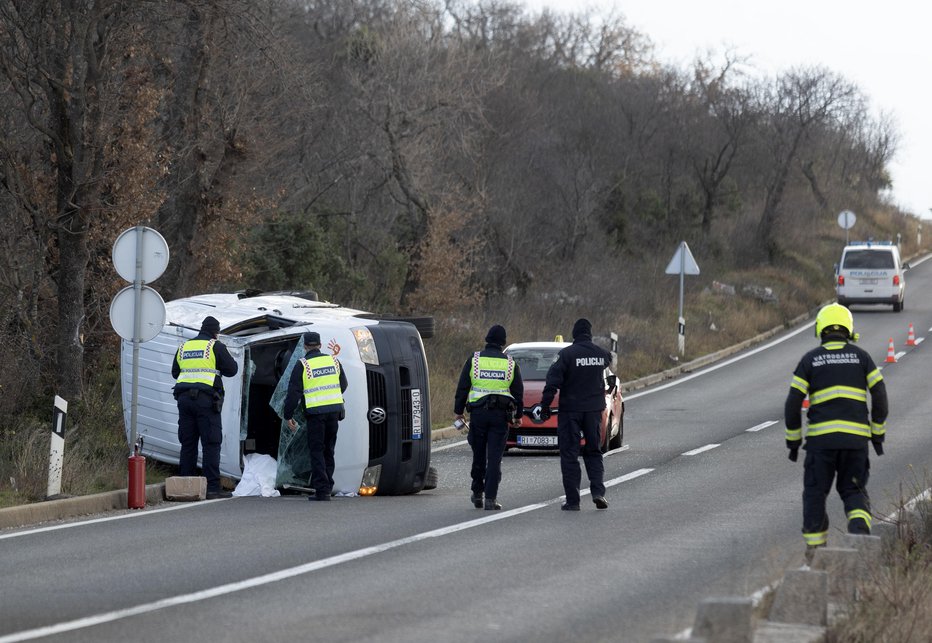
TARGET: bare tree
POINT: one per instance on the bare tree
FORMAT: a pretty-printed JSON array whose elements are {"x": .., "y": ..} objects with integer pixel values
[{"x": 803, "y": 100}]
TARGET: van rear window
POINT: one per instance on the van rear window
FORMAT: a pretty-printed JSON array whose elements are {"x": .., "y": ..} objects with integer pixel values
[{"x": 875, "y": 259}]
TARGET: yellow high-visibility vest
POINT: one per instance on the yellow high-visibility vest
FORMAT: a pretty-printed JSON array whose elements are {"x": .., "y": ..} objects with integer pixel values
[
  {"x": 321, "y": 381},
  {"x": 491, "y": 376}
]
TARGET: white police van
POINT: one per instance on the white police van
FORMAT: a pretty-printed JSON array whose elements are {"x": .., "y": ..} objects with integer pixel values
[
  {"x": 870, "y": 272},
  {"x": 383, "y": 445}
]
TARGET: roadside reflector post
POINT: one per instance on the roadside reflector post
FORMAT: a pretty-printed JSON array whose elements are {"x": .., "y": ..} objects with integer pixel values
[
  {"x": 57, "y": 447},
  {"x": 682, "y": 264}
]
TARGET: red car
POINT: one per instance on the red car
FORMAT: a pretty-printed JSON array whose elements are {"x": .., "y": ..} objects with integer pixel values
[{"x": 534, "y": 360}]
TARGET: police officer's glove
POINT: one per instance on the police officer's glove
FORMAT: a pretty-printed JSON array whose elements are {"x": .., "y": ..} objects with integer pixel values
[
  {"x": 543, "y": 412},
  {"x": 793, "y": 446},
  {"x": 878, "y": 445},
  {"x": 342, "y": 415}
]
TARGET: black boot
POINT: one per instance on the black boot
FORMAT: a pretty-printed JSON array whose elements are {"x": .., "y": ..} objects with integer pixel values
[
  {"x": 491, "y": 505},
  {"x": 476, "y": 500}
]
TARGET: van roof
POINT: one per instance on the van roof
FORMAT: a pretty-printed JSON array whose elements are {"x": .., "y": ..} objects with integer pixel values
[
  {"x": 871, "y": 244},
  {"x": 231, "y": 308}
]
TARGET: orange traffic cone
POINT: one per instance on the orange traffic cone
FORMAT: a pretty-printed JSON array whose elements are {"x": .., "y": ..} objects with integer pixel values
[
  {"x": 891, "y": 355},
  {"x": 911, "y": 337}
]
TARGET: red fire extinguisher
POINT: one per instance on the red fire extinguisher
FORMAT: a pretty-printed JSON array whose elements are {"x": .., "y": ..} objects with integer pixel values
[{"x": 136, "y": 491}]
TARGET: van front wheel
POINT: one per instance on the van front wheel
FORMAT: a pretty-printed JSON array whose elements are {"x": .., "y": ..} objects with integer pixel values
[{"x": 430, "y": 481}]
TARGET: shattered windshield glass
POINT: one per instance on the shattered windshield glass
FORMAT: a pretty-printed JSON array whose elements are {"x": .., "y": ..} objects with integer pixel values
[{"x": 294, "y": 459}]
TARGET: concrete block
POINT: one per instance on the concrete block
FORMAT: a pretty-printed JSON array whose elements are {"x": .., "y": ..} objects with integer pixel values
[
  {"x": 870, "y": 547},
  {"x": 888, "y": 534},
  {"x": 768, "y": 632},
  {"x": 185, "y": 488},
  {"x": 725, "y": 620},
  {"x": 845, "y": 571},
  {"x": 801, "y": 598}
]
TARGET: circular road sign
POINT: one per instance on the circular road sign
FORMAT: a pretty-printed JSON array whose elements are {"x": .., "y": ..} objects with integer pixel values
[
  {"x": 154, "y": 254},
  {"x": 151, "y": 313},
  {"x": 846, "y": 219}
]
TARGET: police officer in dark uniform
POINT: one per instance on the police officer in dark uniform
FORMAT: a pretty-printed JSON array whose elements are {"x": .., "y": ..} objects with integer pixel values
[
  {"x": 579, "y": 374},
  {"x": 318, "y": 381},
  {"x": 837, "y": 377},
  {"x": 197, "y": 369},
  {"x": 491, "y": 389}
]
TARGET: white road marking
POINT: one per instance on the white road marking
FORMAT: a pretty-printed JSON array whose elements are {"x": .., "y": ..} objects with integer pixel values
[
  {"x": 762, "y": 425},
  {"x": 727, "y": 362},
  {"x": 148, "y": 512},
  {"x": 448, "y": 446},
  {"x": 707, "y": 447},
  {"x": 284, "y": 574}
]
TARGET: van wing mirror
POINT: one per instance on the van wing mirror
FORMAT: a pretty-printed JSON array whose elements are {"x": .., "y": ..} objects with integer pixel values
[
  {"x": 905, "y": 267},
  {"x": 611, "y": 381}
]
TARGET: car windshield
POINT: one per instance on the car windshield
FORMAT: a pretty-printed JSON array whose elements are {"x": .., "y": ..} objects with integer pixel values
[
  {"x": 876, "y": 259},
  {"x": 534, "y": 362}
]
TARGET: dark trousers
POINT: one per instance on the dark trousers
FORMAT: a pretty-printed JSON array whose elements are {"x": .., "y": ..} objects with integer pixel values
[
  {"x": 321, "y": 442},
  {"x": 488, "y": 431},
  {"x": 852, "y": 468},
  {"x": 199, "y": 421},
  {"x": 570, "y": 426}
]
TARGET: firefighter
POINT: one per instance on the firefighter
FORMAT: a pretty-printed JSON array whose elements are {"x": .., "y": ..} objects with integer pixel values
[
  {"x": 319, "y": 382},
  {"x": 491, "y": 389},
  {"x": 579, "y": 374},
  {"x": 836, "y": 377},
  {"x": 198, "y": 390}
]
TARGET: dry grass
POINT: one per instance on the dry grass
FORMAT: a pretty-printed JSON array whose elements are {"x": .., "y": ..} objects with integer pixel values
[
  {"x": 894, "y": 606},
  {"x": 95, "y": 452}
]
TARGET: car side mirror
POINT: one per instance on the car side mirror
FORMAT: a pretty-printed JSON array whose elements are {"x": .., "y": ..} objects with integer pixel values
[
  {"x": 836, "y": 269},
  {"x": 610, "y": 382},
  {"x": 905, "y": 267}
]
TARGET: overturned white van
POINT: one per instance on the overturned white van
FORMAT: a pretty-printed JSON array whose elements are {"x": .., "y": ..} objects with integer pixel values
[{"x": 383, "y": 445}]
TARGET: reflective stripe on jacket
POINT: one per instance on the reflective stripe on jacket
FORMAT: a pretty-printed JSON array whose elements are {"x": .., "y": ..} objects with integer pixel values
[{"x": 837, "y": 377}]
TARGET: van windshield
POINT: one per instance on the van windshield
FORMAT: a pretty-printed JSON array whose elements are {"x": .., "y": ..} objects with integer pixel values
[{"x": 874, "y": 259}]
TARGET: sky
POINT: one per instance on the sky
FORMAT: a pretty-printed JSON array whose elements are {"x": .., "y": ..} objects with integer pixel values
[{"x": 885, "y": 48}]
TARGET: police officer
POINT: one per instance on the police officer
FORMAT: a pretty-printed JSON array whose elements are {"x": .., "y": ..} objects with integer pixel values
[
  {"x": 579, "y": 374},
  {"x": 197, "y": 368},
  {"x": 837, "y": 377},
  {"x": 491, "y": 389},
  {"x": 318, "y": 381}
]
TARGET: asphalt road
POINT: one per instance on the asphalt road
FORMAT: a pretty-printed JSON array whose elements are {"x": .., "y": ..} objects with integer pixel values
[{"x": 703, "y": 503}]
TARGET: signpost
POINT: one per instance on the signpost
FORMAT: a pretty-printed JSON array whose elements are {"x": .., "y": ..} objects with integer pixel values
[
  {"x": 846, "y": 220},
  {"x": 682, "y": 264},
  {"x": 137, "y": 313}
]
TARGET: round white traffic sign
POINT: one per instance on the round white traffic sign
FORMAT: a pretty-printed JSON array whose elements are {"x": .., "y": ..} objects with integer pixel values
[
  {"x": 151, "y": 313},
  {"x": 153, "y": 255},
  {"x": 846, "y": 219}
]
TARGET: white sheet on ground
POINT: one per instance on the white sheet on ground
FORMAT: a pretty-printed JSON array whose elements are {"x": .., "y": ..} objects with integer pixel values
[{"x": 258, "y": 477}]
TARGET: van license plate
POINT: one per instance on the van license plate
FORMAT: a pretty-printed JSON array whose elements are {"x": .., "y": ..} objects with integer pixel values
[
  {"x": 415, "y": 414},
  {"x": 868, "y": 282},
  {"x": 537, "y": 440}
]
